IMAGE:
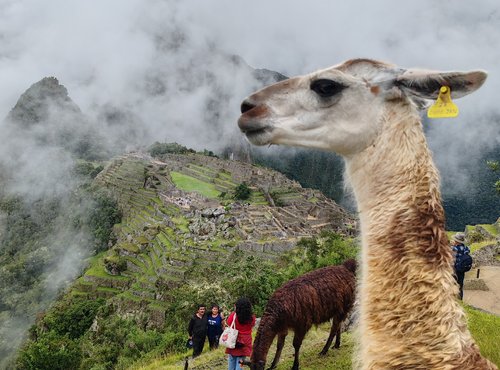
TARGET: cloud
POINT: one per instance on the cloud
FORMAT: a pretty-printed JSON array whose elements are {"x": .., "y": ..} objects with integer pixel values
[{"x": 165, "y": 61}]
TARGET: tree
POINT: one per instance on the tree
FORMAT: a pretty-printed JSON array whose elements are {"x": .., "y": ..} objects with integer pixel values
[
  {"x": 242, "y": 192},
  {"x": 495, "y": 166},
  {"x": 50, "y": 352},
  {"x": 103, "y": 217}
]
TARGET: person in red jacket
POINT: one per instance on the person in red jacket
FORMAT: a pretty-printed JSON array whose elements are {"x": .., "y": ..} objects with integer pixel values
[{"x": 245, "y": 320}]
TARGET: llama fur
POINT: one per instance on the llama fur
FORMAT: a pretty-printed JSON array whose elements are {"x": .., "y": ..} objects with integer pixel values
[
  {"x": 367, "y": 111},
  {"x": 310, "y": 299}
]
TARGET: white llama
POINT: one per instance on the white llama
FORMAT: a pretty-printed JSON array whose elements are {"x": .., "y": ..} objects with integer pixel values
[{"x": 366, "y": 111}]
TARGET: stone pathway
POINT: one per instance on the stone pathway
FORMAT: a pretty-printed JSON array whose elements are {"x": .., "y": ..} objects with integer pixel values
[{"x": 487, "y": 300}]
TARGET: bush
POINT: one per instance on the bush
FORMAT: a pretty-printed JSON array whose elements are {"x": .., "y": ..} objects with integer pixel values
[
  {"x": 312, "y": 253},
  {"x": 120, "y": 341},
  {"x": 255, "y": 279},
  {"x": 102, "y": 218},
  {"x": 115, "y": 264},
  {"x": 73, "y": 317},
  {"x": 158, "y": 149},
  {"x": 278, "y": 202},
  {"x": 475, "y": 236},
  {"x": 208, "y": 153},
  {"x": 50, "y": 352},
  {"x": 242, "y": 192}
]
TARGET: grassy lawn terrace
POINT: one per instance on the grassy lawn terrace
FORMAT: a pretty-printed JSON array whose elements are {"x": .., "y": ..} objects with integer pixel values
[
  {"x": 189, "y": 184},
  {"x": 130, "y": 247},
  {"x": 206, "y": 170},
  {"x": 225, "y": 175},
  {"x": 163, "y": 241},
  {"x": 199, "y": 174},
  {"x": 476, "y": 246},
  {"x": 490, "y": 228},
  {"x": 99, "y": 271},
  {"x": 181, "y": 223}
]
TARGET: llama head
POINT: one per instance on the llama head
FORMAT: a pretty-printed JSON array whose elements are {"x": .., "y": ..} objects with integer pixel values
[
  {"x": 260, "y": 365},
  {"x": 340, "y": 108}
]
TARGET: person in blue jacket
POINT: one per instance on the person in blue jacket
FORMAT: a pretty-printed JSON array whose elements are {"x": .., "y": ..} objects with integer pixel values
[
  {"x": 215, "y": 326},
  {"x": 459, "y": 249}
]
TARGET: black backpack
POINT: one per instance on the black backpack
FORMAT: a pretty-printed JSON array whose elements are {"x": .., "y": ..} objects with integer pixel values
[{"x": 463, "y": 262}]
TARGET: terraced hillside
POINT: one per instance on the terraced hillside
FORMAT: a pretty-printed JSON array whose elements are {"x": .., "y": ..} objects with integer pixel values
[{"x": 180, "y": 209}]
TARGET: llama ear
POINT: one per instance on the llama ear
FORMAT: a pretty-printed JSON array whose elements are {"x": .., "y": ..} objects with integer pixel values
[{"x": 426, "y": 84}]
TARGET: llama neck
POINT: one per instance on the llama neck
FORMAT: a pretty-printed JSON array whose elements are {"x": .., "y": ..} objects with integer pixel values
[
  {"x": 395, "y": 181},
  {"x": 408, "y": 293},
  {"x": 263, "y": 339}
]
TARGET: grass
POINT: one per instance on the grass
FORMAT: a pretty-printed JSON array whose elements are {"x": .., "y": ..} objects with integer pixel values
[
  {"x": 450, "y": 234},
  {"x": 216, "y": 244},
  {"x": 188, "y": 183},
  {"x": 314, "y": 200},
  {"x": 128, "y": 247},
  {"x": 490, "y": 228},
  {"x": 99, "y": 271},
  {"x": 225, "y": 175},
  {"x": 483, "y": 326},
  {"x": 485, "y": 329},
  {"x": 476, "y": 246},
  {"x": 106, "y": 289},
  {"x": 309, "y": 360},
  {"x": 181, "y": 222},
  {"x": 96, "y": 268},
  {"x": 163, "y": 240}
]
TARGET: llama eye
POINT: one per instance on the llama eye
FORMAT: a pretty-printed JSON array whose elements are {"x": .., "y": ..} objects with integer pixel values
[{"x": 326, "y": 88}]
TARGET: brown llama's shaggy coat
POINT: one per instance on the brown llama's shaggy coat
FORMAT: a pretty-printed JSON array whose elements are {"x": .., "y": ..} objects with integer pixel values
[{"x": 310, "y": 299}]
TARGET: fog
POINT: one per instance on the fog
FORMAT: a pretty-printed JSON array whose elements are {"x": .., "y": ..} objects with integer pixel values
[{"x": 163, "y": 62}]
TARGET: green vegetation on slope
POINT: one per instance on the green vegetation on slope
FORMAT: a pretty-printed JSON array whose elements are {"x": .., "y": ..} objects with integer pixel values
[
  {"x": 116, "y": 342},
  {"x": 335, "y": 359},
  {"x": 39, "y": 235},
  {"x": 483, "y": 326}
]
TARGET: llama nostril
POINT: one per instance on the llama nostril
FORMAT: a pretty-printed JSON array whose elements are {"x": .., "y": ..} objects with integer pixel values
[{"x": 246, "y": 106}]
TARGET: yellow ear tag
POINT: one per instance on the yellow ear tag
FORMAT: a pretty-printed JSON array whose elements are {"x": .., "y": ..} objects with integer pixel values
[{"x": 443, "y": 107}]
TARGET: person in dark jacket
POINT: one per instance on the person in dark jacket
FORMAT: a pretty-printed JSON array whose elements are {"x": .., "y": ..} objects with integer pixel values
[
  {"x": 215, "y": 326},
  {"x": 197, "y": 330},
  {"x": 459, "y": 248}
]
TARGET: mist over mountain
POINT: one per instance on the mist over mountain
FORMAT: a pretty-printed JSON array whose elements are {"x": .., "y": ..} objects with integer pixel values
[{"x": 45, "y": 209}]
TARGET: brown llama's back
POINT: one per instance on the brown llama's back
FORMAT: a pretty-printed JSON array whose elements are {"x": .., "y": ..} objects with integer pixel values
[{"x": 314, "y": 297}]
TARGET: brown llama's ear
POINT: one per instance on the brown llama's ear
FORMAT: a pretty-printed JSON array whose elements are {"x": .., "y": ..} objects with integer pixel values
[
  {"x": 426, "y": 84},
  {"x": 351, "y": 265}
]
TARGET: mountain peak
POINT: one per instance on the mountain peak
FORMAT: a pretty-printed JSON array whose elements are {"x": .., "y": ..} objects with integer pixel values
[{"x": 35, "y": 103}]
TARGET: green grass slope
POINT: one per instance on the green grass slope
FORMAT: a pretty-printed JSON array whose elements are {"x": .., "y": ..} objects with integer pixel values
[
  {"x": 338, "y": 359},
  {"x": 485, "y": 329}
]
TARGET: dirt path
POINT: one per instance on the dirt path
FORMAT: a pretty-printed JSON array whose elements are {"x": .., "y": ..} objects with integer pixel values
[{"x": 487, "y": 300}]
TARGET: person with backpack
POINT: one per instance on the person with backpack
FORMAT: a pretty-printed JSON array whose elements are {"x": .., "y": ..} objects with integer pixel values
[{"x": 463, "y": 260}]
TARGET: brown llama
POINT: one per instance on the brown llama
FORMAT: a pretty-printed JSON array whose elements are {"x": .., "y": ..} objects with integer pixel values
[
  {"x": 367, "y": 111},
  {"x": 310, "y": 299}
]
